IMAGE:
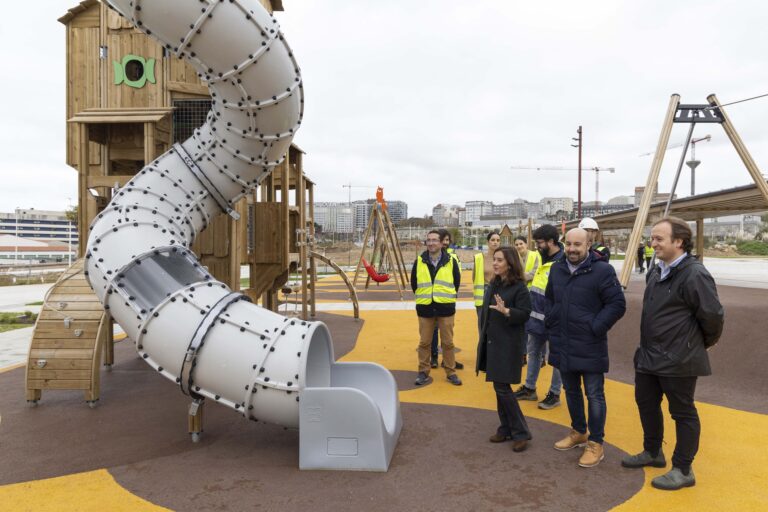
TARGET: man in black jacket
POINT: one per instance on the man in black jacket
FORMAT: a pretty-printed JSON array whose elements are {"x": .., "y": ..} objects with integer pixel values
[{"x": 682, "y": 318}]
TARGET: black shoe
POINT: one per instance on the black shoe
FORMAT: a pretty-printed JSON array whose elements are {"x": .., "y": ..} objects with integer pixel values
[
  {"x": 422, "y": 379},
  {"x": 643, "y": 459},
  {"x": 550, "y": 401},
  {"x": 433, "y": 361},
  {"x": 525, "y": 393},
  {"x": 454, "y": 379},
  {"x": 457, "y": 365}
]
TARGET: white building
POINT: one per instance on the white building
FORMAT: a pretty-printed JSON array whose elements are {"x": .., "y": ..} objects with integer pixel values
[
  {"x": 477, "y": 209},
  {"x": 45, "y": 225},
  {"x": 552, "y": 205}
]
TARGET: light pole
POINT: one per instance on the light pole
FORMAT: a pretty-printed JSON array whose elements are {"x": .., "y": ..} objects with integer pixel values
[
  {"x": 578, "y": 145},
  {"x": 16, "y": 240}
]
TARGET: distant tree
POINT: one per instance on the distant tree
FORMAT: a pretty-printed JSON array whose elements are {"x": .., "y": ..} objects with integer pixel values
[{"x": 71, "y": 213}]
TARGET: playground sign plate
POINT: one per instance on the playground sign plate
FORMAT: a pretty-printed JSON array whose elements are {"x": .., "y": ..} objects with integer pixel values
[{"x": 697, "y": 114}]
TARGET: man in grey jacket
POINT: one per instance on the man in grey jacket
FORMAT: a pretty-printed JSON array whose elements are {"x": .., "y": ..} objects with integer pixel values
[{"x": 682, "y": 318}]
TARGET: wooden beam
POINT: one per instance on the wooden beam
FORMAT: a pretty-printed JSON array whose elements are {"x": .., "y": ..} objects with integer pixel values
[
  {"x": 650, "y": 186},
  {"x": 82, "y": 179},
  {"x": 312, "y": 262},
  {"x": 741, "y": 149},
  {"x": 149, "y": 143},
  {"x": 189, "y": 88},
  {"x": 700, "y": 238},
  {"x": 107, "y": 181}
]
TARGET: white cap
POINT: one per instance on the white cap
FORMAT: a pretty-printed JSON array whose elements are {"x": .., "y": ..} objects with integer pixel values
[{"x": 588, "y": 223}]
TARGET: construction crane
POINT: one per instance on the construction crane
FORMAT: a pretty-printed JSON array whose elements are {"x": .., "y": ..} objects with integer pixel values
[
  {"x": 680, "y": 144},
  {"x": 594, "y": 168}
]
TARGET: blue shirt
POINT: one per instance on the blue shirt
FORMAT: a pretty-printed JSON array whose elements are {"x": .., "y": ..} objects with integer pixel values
[{"x": 665, "y": 268}]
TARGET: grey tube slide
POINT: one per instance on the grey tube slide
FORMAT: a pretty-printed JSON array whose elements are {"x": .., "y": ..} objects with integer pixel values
[{"x": 211, "y": 342}]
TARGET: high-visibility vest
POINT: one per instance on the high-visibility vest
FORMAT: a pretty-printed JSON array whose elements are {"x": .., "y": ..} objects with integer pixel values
[
  {"x": 538, "y": 287},
  {"x": 648, "y": 252},
  {"x": 532, "y": 262},
  {"x": 478, "y": 279},
  {"x": 442, "y": 291}
]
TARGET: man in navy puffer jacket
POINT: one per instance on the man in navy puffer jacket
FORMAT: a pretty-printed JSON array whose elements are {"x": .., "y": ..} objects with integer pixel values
[{"x": 586, "y": 300}]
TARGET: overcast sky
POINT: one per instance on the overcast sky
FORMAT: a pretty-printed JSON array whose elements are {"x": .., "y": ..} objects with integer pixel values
[{"x": 435, "y": 99}]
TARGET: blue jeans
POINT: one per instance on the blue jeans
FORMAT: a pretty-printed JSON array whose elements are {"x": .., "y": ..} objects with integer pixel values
[
  {"x": 537, "y": 345},
  {"x": 594, "y": 387}
]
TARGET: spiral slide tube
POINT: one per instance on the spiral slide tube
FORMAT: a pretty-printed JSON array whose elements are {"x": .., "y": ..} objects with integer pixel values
[{"x": 191, "y": 328}]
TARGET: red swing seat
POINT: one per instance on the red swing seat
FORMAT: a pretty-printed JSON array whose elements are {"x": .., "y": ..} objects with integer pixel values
[{"x": 379, "y": 278}]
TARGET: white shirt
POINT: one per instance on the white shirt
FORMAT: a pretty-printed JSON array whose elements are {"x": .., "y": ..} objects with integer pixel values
[{"x": 665, "y": 268}]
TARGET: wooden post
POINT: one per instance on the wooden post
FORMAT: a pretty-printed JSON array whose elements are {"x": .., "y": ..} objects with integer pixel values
[
  {"x": 531, "y": 243},
  {"x": 149, "y": 143},
  {"x": 301, "y": 202},
  {"x": 312, "y": 260},
  {"x": 195, "y": 419},
  {"x": 386, "y": 243},
  {"x": 741, "y": 149},
  {"x": 285, "y": 186},
  {"x": 700, "y": 238},
  {"x": 650, "y": 185},
  {"x": 365, "y": 244},
  {"x": 82, "y": 180}
]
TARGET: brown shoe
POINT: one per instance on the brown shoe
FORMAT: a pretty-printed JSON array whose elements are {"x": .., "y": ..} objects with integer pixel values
[
  {"x": 519, "y": 446},
  {"x": 593, "y": 454},
  {"x": 498, "y": 438},
  {"x": 574, "y": 439}
]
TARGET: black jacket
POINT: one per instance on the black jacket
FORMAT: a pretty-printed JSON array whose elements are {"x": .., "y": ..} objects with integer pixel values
[
  {"x": 585, "y": 305},
  {"x": 435, "y": 309},
  {"x": 502, "y": 339},
  {"x": 682, "y": 317}
]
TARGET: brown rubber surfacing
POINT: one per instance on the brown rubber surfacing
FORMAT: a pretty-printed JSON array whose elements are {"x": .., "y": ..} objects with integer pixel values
[{"x": 738, "y": 379}]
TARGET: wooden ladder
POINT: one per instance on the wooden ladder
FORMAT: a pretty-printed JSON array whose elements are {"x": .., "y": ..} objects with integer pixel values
[{"x": 71, "y": 331}]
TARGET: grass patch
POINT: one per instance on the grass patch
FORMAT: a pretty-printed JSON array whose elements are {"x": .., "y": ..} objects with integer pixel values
[
  {"x": 753, "y": 248},
  {"x": 26, "y": 318},
  {"x": 38, "y": 303}
]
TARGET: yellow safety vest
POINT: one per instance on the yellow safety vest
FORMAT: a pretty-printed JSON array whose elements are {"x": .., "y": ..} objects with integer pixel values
[
  {"x": 539, "y": 286},
  {"x": 648, "y": 252},
  {"x": 442, "y": 291},
  {"x": 532, "y": 262},
  {"x": 478, "y": 289}
]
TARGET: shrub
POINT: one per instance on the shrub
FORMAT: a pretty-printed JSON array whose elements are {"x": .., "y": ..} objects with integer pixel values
[{"x": 753, "y": 247}]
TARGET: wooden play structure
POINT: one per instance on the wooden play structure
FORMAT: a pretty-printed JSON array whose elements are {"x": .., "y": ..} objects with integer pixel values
[
  {"x": 711, "y": 112},
  {"x": 385, "y": 249},
  {"x": 71, "y": 332},
  {"x": 128, "y": 101}
]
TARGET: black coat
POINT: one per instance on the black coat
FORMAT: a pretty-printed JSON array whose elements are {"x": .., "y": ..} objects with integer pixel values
[
  {"x": 682, "y": 317},
  {"x": 585, "y": 305},
  {"x": 502, "y": 339}
]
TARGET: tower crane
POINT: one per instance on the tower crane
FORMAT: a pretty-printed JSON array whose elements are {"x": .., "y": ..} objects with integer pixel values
[{"x": 594, "y": 168}]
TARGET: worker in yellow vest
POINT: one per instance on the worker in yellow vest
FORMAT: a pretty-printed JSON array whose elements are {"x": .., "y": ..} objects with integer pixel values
[
  {"x": 446, "y": 240},
  {"x": 482, "y": 273},
  {"x": 530, "y": 259},
  {"x": 435, "y": 280},
  {"x": 649, "y": 252}
]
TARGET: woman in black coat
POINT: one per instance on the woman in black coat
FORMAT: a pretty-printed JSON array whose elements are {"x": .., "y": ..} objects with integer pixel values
[{"x": 506, "y": 307}]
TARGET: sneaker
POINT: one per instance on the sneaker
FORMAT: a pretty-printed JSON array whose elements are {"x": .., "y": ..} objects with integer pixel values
[
  {"x": 422, "y": 379},
  {"x": 643, "y": 459},
  {"x": 498, "y": 438},
  {"x": 674, "y": 480},
  {"x": 574, "y": 439},
  {"x": 433, "y": 361},
  {"x": 525, "y": 393},
  {"x": 593, "y": 454},
  {"x": 550, "y": 401},
  {"x": 454, "y": 379}
]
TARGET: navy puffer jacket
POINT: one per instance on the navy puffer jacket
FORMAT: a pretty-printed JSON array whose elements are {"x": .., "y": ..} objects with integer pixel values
[{"x": 585, "y": 305}]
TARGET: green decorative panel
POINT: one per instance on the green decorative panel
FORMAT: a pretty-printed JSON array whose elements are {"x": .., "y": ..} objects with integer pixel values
[{"x": 134, "y": 71}]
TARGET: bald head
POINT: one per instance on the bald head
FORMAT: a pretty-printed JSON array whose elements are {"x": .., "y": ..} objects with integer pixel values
[{"x": 576, "y": 245}]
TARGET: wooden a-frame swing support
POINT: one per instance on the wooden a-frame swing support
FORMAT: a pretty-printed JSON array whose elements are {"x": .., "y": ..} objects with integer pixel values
[
  {"x": 386, "y": 247},
  {"x": 690, "y": 114}
]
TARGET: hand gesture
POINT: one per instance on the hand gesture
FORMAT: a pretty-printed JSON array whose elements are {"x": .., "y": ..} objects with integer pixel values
[{"x": 499, "y": 306}]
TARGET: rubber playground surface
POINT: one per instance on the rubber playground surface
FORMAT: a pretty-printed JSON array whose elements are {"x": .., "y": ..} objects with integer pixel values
[{"x": 133, "y": 452}]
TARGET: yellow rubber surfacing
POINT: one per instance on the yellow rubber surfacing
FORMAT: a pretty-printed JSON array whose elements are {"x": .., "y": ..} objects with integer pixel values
[{"x": 731, "y": 466}]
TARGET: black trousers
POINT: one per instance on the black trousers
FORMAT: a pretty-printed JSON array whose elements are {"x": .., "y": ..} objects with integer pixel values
[
  {"x": 512, "y": 421},
  {"x": 679, "y": 391}
]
